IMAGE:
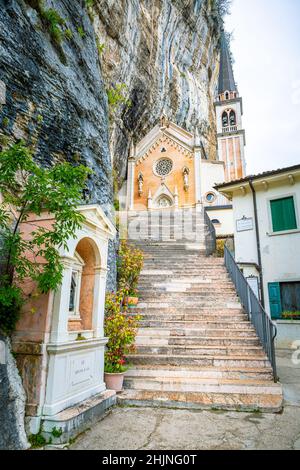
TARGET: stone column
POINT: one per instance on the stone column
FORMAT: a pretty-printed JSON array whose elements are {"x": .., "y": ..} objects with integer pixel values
[
  {"x": 176, "y": 201},
  {"x": 149, "y": 200},
  {"x": 99, "y": 301},
  {"x": 130, "y": 183},
  {"x": 197, "y": 163},
  {"x": 59, "y": 331},
  {"x": 197, "y": 167}
]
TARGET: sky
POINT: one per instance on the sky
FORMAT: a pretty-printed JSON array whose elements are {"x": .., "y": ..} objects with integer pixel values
[{"x": 266, "y": 50}]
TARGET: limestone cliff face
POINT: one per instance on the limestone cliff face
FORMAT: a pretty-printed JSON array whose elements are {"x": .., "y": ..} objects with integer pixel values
[
  {"x": 55, "y": 96},
  {"x": 165, "y": 51}
]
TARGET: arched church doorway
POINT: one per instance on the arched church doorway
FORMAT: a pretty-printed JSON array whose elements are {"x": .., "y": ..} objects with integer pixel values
[{"x": 163, "y": 202}]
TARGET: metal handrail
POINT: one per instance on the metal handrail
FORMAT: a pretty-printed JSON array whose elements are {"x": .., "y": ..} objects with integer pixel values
[
  {"x": 210, "y": 236},
  {"x": 264, "y": 326}
]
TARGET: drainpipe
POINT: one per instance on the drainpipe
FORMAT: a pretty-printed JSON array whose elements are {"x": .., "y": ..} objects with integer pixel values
[{"x": 257, "y": 242}]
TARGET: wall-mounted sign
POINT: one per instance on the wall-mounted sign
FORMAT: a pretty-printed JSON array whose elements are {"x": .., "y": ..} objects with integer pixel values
[
  {"x": 253, "y": 283},
  {"x": 246, "y": 223}
]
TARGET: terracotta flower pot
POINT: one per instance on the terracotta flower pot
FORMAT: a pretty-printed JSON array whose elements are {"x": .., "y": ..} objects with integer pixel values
[
  {"x": 131, "y": 301},
  {"x": 114, "y": 381}
]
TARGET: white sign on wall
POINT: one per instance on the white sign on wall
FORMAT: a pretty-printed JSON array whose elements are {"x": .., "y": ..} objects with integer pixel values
[
  {"x": 253, "y": 283},
  {"x": 82, "y": 369},
  {"x": 246, "y": 223}
]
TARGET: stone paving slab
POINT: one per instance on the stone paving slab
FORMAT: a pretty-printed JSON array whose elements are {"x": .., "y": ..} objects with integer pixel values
[
  {"x": 164, "y": 429},
  {"x": 167, "y": 429}
]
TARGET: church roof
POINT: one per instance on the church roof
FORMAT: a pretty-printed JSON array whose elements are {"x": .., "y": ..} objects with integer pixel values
[{"x": 226, "y": 77}]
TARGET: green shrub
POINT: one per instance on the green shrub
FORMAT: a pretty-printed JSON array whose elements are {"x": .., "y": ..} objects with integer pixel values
[
  {"x": 120, "y": 329},
  {"x": 56, "y": 432},
  {"x": 220, "y": 244},
  {"x": 130, "y": 263},
  {"x": 26, "y": 188},
  {"x": 81, "y": 32},
  {"x": 117, "y": 96},
  {"x": 4, "y": 140},
  {"x": 37, "y": 440},
  {"x": 5, "y": 122},
  {"x": 54, "y": 22},
  {"x": 116, "y": 205},
  {"x": 11, "y": 301},
  {"x": 100, "y": 47},
  {"x": 68, "y": 34}
]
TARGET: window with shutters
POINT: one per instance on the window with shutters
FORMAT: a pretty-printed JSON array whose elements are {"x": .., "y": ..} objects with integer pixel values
[
  {"x": 283, "y": 214},
  {"x": 284, "y": 299}
]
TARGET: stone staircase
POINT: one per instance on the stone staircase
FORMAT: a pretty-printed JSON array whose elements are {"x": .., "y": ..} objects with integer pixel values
[{"x": 195, "y": 347}]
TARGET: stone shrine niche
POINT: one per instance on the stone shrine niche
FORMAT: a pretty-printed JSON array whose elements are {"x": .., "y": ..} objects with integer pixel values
[
  {"x": 82, "y": 286},
  {"x": 60, "y": 350}
]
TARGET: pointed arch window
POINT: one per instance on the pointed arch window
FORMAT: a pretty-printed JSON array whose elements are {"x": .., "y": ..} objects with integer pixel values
[
  {"x": 232, "y": 118},
  {"x": 229, "y": 118},
  {"x": 225, "y": 121}
]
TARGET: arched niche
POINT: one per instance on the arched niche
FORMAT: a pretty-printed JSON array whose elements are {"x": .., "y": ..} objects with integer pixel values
[{"x": 82, "y": 286}]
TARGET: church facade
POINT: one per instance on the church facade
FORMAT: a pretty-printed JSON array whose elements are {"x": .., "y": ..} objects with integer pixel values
[{"x": 168, "y": 168}]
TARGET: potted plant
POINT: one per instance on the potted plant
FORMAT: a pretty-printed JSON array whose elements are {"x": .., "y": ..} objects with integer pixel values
[
  {"x": 131, "y": 299},
  {"x": 291, "y": 315},
  {"x": 121, "y": 329},
  {"x": 130, "y": 263}
]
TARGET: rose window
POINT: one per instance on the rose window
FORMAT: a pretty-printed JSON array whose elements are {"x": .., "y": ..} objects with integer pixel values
[{"x": 163, "y": 167}]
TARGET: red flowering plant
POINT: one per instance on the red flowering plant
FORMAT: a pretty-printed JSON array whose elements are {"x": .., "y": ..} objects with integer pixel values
[
  {"x": 130, "y": 264},
  {"x": 121, "y": 329}
]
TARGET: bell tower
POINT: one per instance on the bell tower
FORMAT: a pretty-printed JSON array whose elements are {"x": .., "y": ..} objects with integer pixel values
[{"x": 229, "y": 111}]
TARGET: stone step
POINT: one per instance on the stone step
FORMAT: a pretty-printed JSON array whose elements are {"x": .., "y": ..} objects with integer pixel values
[
  {"x": 157, "y": 303},
  {"x": 152, "y": 289},
  {"x": 200, "y": 360},
  {"x": 173, "y": 266},
  {"x": 194, "y": 332},
  {"x": 253, "y": 400},
  {"x": 196, "y": 384},
  {"x": 195, "y": 346},
  {"x": 208, "y": 285},
  {"x": 201, "y": 350},
  {"x": 190, "y": 317},
  {"x": 205, "y": 373},
  {"x": 168, "y": 274},
  {"x": 204, "y": 324},
  {"x": 143, "y": 340},
  {"x": 185, "y": 296},
  {"x": 153, "y": 285},
  {"x": 158, "y": 310},
  {"x": 174, "y": 271},
  {"x": 185, "y": 264}
]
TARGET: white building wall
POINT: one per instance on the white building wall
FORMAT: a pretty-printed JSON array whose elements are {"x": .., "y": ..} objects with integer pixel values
[
  {"x": 213, "y": 173},
  {"x": 225, "y": 216},
  {"x": 280, "y": 252},
  {"x": 245, "y": 242}
]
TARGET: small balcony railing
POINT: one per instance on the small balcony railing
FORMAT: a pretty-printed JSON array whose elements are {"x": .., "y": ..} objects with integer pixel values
[
  {"x": 229, "y": 129},
  {"x": 264, "y": 326}
]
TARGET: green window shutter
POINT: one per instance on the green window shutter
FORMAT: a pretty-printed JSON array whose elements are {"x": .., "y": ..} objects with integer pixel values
[
  {"x": 283, "y": 214},
  {"x": 275, "y": 299}
]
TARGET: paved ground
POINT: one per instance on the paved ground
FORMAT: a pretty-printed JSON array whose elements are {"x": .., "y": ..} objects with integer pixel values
[{"x": 159, "y": 429}]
